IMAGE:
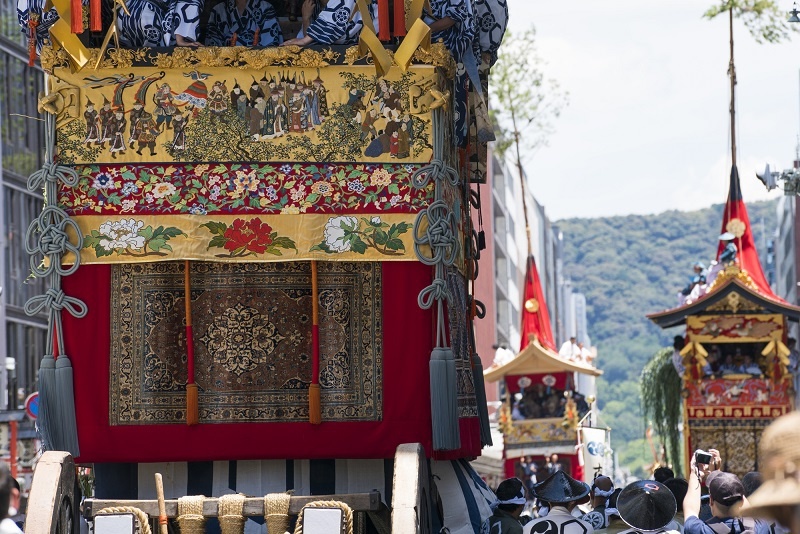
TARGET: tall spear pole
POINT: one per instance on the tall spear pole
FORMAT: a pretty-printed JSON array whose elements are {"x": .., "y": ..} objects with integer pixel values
[{"x": 732, "y": 75}]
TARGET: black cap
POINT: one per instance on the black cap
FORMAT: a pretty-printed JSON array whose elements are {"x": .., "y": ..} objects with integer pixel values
[{"x": 725, "y": 488}]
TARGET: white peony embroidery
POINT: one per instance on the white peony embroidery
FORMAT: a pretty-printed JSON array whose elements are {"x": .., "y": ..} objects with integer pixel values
[
  {"x": 122, "y": 234},
  {"x": 335, "y": 232}
]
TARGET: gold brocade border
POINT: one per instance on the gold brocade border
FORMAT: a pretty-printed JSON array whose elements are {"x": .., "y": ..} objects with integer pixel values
[
  {"x": 236, "y": 57},
  {"x": 246, "y": 238},
  {"x": 711, "y": 412},
  {"x": 740, "y": 328}
]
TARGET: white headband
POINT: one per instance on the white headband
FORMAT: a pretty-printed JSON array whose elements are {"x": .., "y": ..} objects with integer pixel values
[
  {"x": 519, "y": 498},
  {"x": 600, "y": 493}
]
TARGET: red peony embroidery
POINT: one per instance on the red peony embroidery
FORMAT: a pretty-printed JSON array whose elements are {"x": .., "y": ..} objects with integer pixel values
[{"x": 253, "y": 235}]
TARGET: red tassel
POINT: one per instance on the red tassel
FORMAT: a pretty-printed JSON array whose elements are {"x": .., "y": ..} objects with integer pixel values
[
  {"x": 33, "y": 22},
  {"x": 95, "y": 20},
  {"x": 76, "y": 14},
  {"x": 399, "y": 18},
  {"x": 234, "y": 37},
  {"x": 255, "y": 38},
  {"x": 383, "y": 20}
]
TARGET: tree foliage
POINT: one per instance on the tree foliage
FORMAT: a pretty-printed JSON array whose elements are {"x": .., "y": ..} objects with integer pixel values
[
  {"x": 764, "y": 19},
  {"x": 628, "y": 266},
  {"x": 661, "y": 403},
  {"x": 522, "y": 99}
]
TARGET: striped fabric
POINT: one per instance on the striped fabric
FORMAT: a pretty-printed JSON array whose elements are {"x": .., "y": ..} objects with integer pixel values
[{"x": 465, "y": 498}]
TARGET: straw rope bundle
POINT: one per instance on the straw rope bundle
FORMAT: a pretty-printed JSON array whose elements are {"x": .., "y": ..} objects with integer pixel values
[
  {"x": 190, "y": 514},
  {"x": 230, "y": 512},
  {"x": 276, "y": 512}
]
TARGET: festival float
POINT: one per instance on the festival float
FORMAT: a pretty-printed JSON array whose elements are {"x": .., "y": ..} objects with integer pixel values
[
  {"x": 543, "y": 412},
  {"x": 733, "y": 355},
  {"x": 250, "y": 291}
]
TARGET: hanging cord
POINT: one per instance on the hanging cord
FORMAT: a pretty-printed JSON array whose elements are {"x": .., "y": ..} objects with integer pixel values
[
  {"x": 47, "y": 240},
  {"x": 438, "y": 246}
]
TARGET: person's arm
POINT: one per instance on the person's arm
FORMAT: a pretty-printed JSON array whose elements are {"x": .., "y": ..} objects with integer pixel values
[
  {"x": 697, "y": 474},
  {"x": 691, "y": 502},
  {"x": 441, "y": 24},
  {"x": 307, "y": 12}
]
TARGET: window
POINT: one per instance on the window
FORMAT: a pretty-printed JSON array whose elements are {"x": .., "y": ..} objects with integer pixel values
[
  {"x": 9, "y": 27},
  {"x": 21, "y": 132}
]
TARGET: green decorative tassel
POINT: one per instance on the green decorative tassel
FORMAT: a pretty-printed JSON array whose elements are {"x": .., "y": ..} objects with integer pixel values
[
  {"x": 47, "y": 401},
  {"x": 66, "y": 425},
  {"x": 480, "y": 400},
  {"x": 444, "y": 400}
]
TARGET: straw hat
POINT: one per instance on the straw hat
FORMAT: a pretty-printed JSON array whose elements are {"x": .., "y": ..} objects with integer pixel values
[
  {"x": 561, "y": 488},
  {"x": 779, "y": 462}
]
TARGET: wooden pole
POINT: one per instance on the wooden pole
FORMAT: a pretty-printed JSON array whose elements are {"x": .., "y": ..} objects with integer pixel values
[
  {"x": 162, "y": 505},
  {"x": 192, "y": 394},
  {"x": 314, "y": 392}
]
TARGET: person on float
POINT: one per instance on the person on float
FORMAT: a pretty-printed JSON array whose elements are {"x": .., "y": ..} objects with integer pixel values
[
  {"x": 563, "y": 493},
  {"x": 244, "y": 23},
  {"x": 339, "y": 22}
]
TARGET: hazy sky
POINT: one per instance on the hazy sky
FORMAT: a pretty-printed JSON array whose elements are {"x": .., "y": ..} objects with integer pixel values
[{"x": 646, "y": 129}]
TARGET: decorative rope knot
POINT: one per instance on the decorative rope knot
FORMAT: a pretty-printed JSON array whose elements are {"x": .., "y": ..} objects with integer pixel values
[
  {"x": 57, "y": 300},
  {"x": 53, "y": 242},
  {"x": 438, "y": 290},
  {"x": 52, "y": 173},
  {"x": 437, "y": 170},
  {"x": 441, "y": 234}
]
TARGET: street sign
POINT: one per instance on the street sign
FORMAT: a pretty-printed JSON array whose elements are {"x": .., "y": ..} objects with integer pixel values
[{"x": 32, "y": 405}]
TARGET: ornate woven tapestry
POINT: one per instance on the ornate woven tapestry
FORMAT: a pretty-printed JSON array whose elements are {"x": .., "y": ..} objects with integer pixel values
[
  {"x": 459, "y": 342},
  {"x": 252, "y": 341},
  {"x": 736, "y": 440}
]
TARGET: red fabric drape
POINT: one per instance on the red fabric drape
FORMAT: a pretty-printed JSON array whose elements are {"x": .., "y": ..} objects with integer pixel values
[
  {"x": 399, "y": 18},
  {"x": 76, "y": 16},
  {"x": 535, "y": 322},
  {"x": 407, "y": 343},
  {"x": 747, "y": 254},
  {"x": 95, "y": 19}
]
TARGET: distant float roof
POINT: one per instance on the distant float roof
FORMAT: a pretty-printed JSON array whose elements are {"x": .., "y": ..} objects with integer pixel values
[
  {"x": 537, "y": 359},
  {"x": 734, "y": 291}
]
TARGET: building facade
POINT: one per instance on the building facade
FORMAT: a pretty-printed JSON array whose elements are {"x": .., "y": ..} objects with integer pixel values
[
  {"x": 22, "y": 338},
  {"x": 505, "y": 258},
  {"x": 786, "y": 250}
]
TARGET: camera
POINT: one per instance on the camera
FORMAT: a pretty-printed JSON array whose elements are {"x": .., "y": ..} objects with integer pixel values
[{"x": 702, "y": 457}]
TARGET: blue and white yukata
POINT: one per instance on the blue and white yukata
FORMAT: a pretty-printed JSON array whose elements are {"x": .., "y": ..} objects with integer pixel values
[
  {"x": 460, "y": 40},
  {"x": 225, "y": 20},
  {"x": 182, "y": 19},
  {"x": 46, "y": 19},
  {"x": 333, "y": 25},
  {"x": 492, "y": 19},
  {"x": 153, "y": 23}
]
